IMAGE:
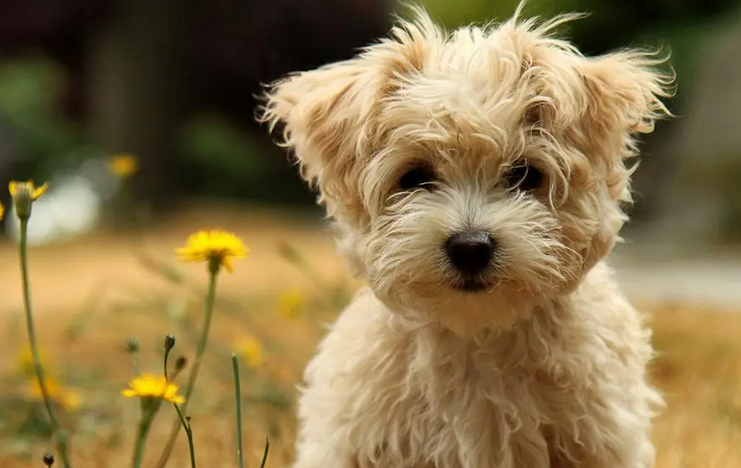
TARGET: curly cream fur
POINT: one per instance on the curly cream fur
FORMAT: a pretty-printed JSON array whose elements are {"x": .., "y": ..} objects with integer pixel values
[{"x": 546, "y": 367}]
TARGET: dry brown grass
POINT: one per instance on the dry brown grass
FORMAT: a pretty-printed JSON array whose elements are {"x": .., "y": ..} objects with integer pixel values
[{"x": 698, "y": 369}]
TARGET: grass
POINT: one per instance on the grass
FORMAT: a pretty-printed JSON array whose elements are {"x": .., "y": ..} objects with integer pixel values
[
  {"x": 93, "y": 293},
  {"x": 699, "y": 371}
]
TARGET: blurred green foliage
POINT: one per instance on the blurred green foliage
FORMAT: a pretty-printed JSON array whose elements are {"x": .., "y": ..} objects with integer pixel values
[
  {"x": 30, "y": 90},
  {"x": 460, "y": 12},
  {"x": 224, "y": 153}
]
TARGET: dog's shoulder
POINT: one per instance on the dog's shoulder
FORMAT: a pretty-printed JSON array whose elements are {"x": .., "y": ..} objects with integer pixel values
[{"x": 364, "y": 336}]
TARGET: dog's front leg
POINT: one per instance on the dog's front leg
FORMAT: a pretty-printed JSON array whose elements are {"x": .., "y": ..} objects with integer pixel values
[
  {"x": 608, "y": 428},
  {"x": 320, "y": 451},
  {"x": 325, "y": 438}
]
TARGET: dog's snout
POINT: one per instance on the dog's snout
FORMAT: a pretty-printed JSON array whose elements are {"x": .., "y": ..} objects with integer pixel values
[{"x": 470, "y": 252}]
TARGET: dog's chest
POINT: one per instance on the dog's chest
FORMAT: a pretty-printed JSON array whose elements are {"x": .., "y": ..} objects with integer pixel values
[{"x": 471, "y": 405}]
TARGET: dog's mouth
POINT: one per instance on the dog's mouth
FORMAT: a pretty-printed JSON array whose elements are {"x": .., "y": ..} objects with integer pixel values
[{"x": 472, "y": 285}]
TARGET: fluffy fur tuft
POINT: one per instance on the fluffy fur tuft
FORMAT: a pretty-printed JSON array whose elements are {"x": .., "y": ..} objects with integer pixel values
[{"x": 536, "y": 359}]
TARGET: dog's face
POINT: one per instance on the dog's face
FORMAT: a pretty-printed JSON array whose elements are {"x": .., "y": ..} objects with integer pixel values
[{"x": 476, "y": 174}]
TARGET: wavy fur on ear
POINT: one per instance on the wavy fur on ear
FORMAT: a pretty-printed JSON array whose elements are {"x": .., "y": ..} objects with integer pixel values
[
  {"x": 328, "y": 115},
  {"x": 324, "y": 115},
  {"x": 626, "y": 89},
  {"x": 625, "y": 92}
]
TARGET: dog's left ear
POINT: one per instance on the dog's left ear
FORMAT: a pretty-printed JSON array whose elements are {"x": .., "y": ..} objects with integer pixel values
[
  {"x": 325, "y": 117},
  {"x": 624, "y": 93}
]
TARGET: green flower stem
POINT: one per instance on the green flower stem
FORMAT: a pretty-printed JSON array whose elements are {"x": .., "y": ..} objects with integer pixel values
[
  {"x": 60, "y": 437},
  {"x": 213, "y": 269},
  {"x": 135, "y": 362},
  {"x": 189, "y": 433},
  {"x": 238, "y": 400},
  {"x": 149, "y": 409}
]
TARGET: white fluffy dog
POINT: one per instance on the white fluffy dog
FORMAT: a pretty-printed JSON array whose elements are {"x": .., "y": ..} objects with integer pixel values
[{"x": 475, "y": 179}]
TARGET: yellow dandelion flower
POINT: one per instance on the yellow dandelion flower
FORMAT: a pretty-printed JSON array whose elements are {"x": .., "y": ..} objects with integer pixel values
[
  {"x": 124, "y": 165},
  {"x": 2, "y": 211},
  {"x": 66, "y": 398},
  {"x": 250, "y": 350},
  {"x": 290, "y": 303},
  {"x": 17, "y": 189},
  {"x": 214, "y": 246},
  {"x": 24, "y": 194},
  {"x": 153, "y": 386}
]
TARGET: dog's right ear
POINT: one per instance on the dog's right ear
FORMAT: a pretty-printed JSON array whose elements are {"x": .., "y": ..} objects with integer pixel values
[
  {"x": 325, "y": 116},
  {"x": 328, "y": 116}
]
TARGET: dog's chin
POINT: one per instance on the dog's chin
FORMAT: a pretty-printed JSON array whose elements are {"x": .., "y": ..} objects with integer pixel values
[
  {"x": 471, "y": 285},
  {"x": 462, "y": 306}
]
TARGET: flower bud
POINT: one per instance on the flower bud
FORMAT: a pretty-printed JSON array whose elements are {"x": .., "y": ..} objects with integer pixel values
[
  {"x": 132, "y": 345},
  {"x": 180, "y": 363},
  {"x": 169, "y": 342}
]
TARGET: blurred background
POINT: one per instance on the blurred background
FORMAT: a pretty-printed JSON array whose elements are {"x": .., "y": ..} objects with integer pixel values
[
  {"x": 173, "y": 84},
  {"x": 168, "y": 88}
]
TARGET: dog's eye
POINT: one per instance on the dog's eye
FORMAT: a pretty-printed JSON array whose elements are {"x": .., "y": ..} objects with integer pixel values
[
  {"x": 524, "y": 177},
  {"x": 417, "y": 177}
]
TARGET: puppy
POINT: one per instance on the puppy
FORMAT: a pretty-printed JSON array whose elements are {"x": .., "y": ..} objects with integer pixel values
[{"x": 476, "y": 179}]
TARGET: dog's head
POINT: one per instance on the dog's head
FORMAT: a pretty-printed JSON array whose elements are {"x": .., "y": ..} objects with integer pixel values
[{"x": 471, "y": 174}]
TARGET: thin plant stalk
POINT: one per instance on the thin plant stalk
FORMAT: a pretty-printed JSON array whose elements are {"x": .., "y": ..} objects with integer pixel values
[
  {"x": 141, "y": 437},
  {"x": 189, "y": 434},
  {"x": 238, "y": 401},
  {"x": 265, "y": 453},
  {"x": 135, "y": 362},
  {"x": 200, "y": 350},
  {"x": 60, "y": 437}
]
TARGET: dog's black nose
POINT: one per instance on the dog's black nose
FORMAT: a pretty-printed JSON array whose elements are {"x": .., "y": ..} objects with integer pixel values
[{"x": 470, "y": 252}]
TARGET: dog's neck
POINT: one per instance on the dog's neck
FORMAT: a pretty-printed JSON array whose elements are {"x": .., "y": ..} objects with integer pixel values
[
  {"x": 499, "y": 325},
  {"x": 543, "y": 316}
]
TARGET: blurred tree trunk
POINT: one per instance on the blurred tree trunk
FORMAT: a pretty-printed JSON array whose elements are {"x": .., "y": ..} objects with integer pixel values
[{"x": 138, "y": 91}]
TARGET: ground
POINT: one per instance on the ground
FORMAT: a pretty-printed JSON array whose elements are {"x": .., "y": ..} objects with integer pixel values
[{"x": 92, "y": 293}]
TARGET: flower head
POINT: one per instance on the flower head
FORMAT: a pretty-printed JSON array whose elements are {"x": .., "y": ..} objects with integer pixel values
[
  {"x": 124, "y": 165},
  {"x": 24, "y": 194},
  {"x": 18, "y": 189},
  {"x": 250, "y": 350},
  {"x": 67, "y": 399},
  {"x": 216, "y": 247},
  {"x": 149, "y": 386},
  {"x": 290, "y": 303},
  {"x": 2, "y": 211}
]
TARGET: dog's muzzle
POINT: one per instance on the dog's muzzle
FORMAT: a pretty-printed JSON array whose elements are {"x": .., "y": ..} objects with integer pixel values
[{"x": 470, "y": 253}]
